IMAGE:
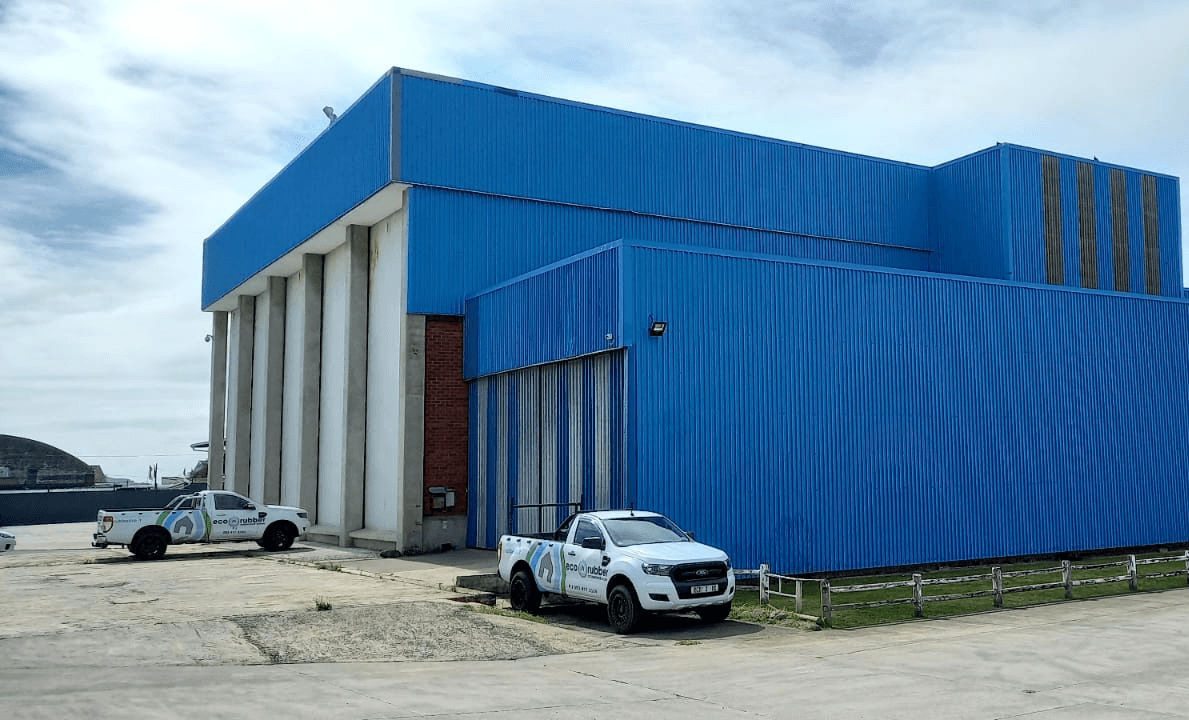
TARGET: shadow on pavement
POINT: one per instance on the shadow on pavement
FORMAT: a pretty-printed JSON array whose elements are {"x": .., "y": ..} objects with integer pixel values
[
  {"x": 655, "y": 626},
  {"x": 184, "y": 553}
]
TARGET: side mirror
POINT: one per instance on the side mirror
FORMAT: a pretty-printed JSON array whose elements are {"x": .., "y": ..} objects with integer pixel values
[
  {"x": 594, "y": 543},
  {"x": 250, "y": 507}
]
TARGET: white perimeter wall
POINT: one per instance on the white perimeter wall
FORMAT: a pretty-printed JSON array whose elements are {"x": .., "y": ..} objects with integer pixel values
[
  {"x": 386, "y": 374},
  {"x": 291, "y": 393},
  {"x": 334, "y": 356}
]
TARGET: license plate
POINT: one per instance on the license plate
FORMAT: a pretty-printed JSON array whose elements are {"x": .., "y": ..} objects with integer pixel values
[{"x": 703, "y": 589}]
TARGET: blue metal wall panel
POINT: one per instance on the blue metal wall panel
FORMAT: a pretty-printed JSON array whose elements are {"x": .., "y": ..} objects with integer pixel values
[
  {"x": 1135, "y": 228},
  {"x": 831, "y": 418},
  {"x": 1104, "y": 226},
  {"x": 967, "y": 220},
  {"x": 1168, "y": 191},
  {"x": 1070, "y": 218},
  {"x": 557, "y": 313},
  {"x": 344, "y": 166},
  {"x": 473, "y": 137},
  {"x": 477, "y": 462},
  {"x": 1028, "y": 230},
  {"x": 1027, "y": 213},
  {"x": 464, "y": 243}
]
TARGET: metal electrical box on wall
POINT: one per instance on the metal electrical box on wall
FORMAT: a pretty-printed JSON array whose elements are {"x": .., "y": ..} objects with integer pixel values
[{"x": 441, "y": 498}]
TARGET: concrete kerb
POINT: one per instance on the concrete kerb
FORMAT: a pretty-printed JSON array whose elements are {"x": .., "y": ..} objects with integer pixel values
[{"x": 452, "y": 571}]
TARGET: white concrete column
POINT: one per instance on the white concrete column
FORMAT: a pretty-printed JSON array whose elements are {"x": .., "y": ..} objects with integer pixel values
[
  {"x": 218, "y": 406},
  {"x": 274, "y": 373},
  {"x": 239, "y": 395},
  {"x": 412, "y": 482},
  {"x": 311, "y": 380},
  {"x": 355, "y": 396}
]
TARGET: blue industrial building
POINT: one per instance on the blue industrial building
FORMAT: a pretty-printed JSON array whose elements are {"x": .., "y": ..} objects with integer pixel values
[{"x": 815, "y": 359}]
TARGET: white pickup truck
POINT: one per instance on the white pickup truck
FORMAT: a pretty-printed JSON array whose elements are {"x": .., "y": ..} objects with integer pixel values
[
  {"x": 204, "y": 517},
  {"x": 631, "y": 561}
]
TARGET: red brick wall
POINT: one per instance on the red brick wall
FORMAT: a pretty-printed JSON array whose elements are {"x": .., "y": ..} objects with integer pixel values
[{"x": 445, "y": 413}]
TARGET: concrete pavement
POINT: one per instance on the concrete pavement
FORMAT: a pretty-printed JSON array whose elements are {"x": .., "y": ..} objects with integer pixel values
[
  {"x": 1115, "y": 657},
  {"x": 1119, "y": 657},
  {"x": 434, "y": 570}
]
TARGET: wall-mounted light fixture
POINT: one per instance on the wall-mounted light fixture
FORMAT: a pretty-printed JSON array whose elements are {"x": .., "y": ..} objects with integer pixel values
[{"x": 656, "y": 328}]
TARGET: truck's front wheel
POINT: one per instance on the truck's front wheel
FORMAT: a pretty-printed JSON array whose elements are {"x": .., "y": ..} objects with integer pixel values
[
  {"x": 524, "y": 594},
  {"x": 623, "y": 609},
  {"x": 278, "y": 536},
  {"x": 149, "y": 544}
]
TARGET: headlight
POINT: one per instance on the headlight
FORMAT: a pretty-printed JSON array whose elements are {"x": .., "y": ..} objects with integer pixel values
[
  {"x": 728, "y": 563},
  {"x": 303, "y": 515},
  {"x": 654, "y": 569}
]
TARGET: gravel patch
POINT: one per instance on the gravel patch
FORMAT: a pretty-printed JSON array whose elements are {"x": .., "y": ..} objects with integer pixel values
[{"x": 434, "y": 630}]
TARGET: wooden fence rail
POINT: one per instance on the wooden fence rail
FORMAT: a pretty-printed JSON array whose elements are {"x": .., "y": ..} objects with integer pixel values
[{"x": 918, "y": 583}]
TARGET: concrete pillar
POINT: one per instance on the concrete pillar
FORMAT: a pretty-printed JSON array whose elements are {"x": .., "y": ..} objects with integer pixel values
[
  {"x": 274, "y": 374},
  {"x": 239, "y": 396},
  {"x": 218, "y": 412},
  {"x": 413, "y": 443},
  {"x": 311, "y": 380},
  {"x": 355, "y": 397}
]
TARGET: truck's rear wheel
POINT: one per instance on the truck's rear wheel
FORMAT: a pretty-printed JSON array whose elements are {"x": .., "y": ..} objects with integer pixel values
[
  {"x": 278, "y": 536},
  {"x": 149, "y": 544},
  {"x": 524, "y": 594},
  {"x": 623, "y": 609},
  {"x": 714, "y": 613}
]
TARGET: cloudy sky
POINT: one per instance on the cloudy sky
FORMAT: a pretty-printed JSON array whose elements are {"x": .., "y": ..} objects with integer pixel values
[{"x": 130, "y": 130}]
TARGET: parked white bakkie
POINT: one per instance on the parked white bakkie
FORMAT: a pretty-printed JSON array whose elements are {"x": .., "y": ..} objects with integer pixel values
[
  {"x": 208, "y": 516},
  {"x": 631, "y": 561}
]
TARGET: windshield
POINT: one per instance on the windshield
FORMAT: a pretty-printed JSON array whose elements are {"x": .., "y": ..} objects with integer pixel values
[{"x": 643, "y": 530}]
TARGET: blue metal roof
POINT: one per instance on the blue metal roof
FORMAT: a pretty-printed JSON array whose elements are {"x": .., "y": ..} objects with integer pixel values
[
  {"x": 554, "y": 178},
  {"x": 348, "y": 163}
]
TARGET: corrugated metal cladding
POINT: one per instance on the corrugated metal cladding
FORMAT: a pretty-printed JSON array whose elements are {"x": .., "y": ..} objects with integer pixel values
[
  {"x": 464, "y": 243},
  {"x": 557, "y": 313},
  {"x": 1100, "y": 227},
  {"x": 547, "y": 435},
  {"x": 832, "y": 418},
  {"x": 968, "y": 219},
  {"x": 473, "y": 137},
  {"x": 344, "y": 166}
]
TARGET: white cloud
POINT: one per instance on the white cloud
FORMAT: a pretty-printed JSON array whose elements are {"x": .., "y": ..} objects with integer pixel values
[{"x": 141, "y": 126}]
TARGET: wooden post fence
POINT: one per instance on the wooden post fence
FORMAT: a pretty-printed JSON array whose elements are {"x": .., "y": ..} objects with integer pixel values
[
  {"x": 828, "y": 605},
  {"x": 997, "y": 576},
  {"x": 764, "y": 597},
  {"x": 918, "y": 595}
]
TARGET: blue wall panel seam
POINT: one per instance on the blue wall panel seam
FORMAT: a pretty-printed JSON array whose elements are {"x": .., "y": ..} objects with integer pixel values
[{"x": 660, "y": 216}]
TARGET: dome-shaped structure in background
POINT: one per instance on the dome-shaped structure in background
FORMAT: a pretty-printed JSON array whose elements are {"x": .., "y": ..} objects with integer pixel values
[{"x": 26, "y": 463}]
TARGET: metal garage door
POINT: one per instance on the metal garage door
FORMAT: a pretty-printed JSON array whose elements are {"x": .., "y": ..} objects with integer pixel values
[{"x": 545, "y": 441}]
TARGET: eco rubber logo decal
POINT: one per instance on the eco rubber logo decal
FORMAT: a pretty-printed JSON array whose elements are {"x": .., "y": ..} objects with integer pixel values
[
  {"x": 192, "y": 524},
  {"x": 545, "y": 559},
  {"x": 584, "y": 571}
]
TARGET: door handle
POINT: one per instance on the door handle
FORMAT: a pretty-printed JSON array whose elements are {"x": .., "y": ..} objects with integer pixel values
[{"x": 571, "y": 553}]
